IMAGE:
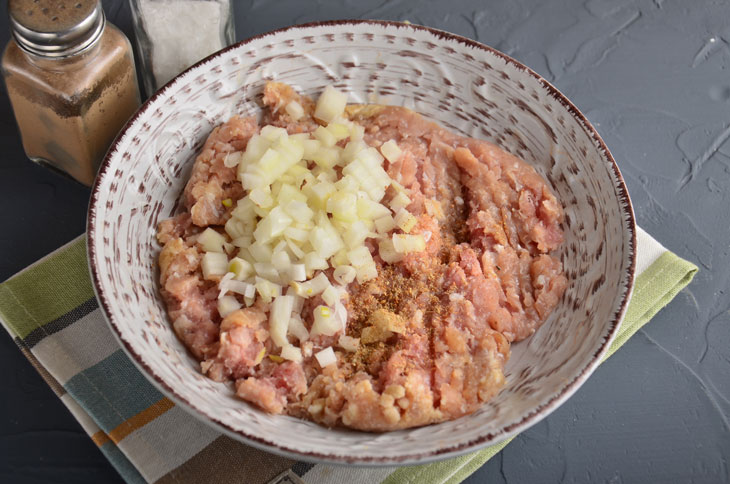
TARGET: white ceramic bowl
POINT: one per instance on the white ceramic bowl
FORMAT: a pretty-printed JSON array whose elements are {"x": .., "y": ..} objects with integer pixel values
[{"x": 463, "y": 85}]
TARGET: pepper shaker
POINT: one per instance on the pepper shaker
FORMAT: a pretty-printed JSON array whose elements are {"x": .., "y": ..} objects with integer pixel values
[
  {"x": 172, "y": 35},
  {"x": 71, "y": 80}
]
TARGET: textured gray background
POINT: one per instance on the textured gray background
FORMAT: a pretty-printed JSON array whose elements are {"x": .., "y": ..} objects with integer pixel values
[{"x": 653, "y": 78}]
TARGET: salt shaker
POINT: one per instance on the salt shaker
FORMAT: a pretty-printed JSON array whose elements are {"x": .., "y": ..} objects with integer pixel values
[
  {"x": 174, "y": 34},
  {"x": 71, "y": 80}
]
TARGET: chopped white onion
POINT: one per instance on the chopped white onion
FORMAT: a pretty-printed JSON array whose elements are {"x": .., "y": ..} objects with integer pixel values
[
  {"x": 331, "y": 103},
  {"x": 294, "y": 110},
  {"x": 297, "y": 328},
  {"x": 325, "y": 321},
  {"x": 326, "y": 357},
  {"x": 279, "y": 318},
  {"x": 212, "y": 241},
  {"x": 404, "y": 243},
  {"x": 214, "y": 264},
  {"x": 348, "y": 343},
  {"x": 405, "y": 220},
  {"x": 391, "y": 151},
  {"x": 228, "y": 304},
  {"x": 344, "y": 274},
  {"x": 291, "y": 353}
]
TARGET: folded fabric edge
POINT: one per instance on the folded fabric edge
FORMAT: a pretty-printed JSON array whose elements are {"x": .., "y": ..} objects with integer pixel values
[{"x": 650, "y": 297}]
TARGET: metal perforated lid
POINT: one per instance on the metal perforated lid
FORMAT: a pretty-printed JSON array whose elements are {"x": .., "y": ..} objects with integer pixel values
[{"x": 56, "y": 28}]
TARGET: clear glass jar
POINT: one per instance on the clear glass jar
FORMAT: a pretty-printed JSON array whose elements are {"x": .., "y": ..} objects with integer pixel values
[
  {"x": 71, "y": 81},
  {"x": 172, "y": 35}
]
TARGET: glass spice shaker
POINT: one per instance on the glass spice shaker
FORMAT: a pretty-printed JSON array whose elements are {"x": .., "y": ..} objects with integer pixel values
[
  {"x": 71, "y": 80},
  {"x": 172, "y": 35}
]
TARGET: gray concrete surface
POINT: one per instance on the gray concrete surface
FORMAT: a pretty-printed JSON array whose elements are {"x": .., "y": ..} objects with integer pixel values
[{"x": 653, "y": 77}]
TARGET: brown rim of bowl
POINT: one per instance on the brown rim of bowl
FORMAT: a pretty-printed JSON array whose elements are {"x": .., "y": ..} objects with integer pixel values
[{"x": 256, "y": 441}]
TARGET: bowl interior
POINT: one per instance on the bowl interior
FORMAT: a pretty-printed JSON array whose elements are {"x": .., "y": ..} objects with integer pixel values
[{"x": 465, "y": 87}]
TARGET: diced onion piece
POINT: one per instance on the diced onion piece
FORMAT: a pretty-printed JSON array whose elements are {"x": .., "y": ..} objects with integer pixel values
[
  {"x": 310, "y": 147},
  {"x": 236, "y": 228},
  {"x": 281, "y": 261},
  {"x": 243, "y": 288},
  {"x": 348, "y": 343},
  {"x": 352, "y": 149},
  {"x": 326, "y": 357},
  {"x": 266, "y": 270},
  {"x": 295, "y": 249},
  {"x": 369, "y": 209},
  {"x": 255, "y": 149},
  {"x": 347, "y": 184},
  {"x": 325, "y": 321},
  {"x": 341, "y": 315},
  {"x": 296, "y": 234},
  {"x": 223, "y": 284},
  {"x": 244, "y": 210},
  {"x": 273, "y": 133},
  {"x": 313, "y": 262},
  {"x": 340, "y": 258},
  {"x": 297, "y": 272},
  {"x": 325, "y": 243},
  {"x": 326, "y": 156},
  {"x": 400, "y": 200},
  {"x": 291, "y": 353},
  {"x": 320, "y": 192},
  {"x": 387, "y": 252},
  {"x": 297, "y": 328},
  {"x": 279, "y": 318},
  {"x": 214, "y": 264},
  {"x": 212, "y": 241},
  {"x": 288, "y": 193},
  {"x": 331, "y": 296},
  {"x": 344, "y": 274},
  {"x": 366, "y": 272},
  {"x": 338, "y": 131},
  {"x": 311, "y": 287},
  {"x": 404, "y": 244},
  {"x": 357, "y": 132},
  {"x": 391, "y": 151},
  {"x": 359, "y": 256},
  {"x": 324, "y": 136},
  {"x": 343, "y": 206},
  {"x": 299, "y": 210},
  {"x": 241, "y": 269},
  {"x": 405, "y": 220},
  {"x": 267, "y": 289},
  {"x": 294, "y": 110},
  {"x": 356, "y": 234},
  {"x": 260, "y": 251},
  {"x": 228, "y": 304},
  {"x": 272, "y": 225},
  {"x": 331, "y": 103},
  {"x": 242, "y": 242},
  {"x": 385, "y": 224},
  {"x": 261, "y": 198}
]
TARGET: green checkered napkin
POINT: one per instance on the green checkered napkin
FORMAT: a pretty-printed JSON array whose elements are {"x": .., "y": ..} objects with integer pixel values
[{"x": 50, "y": 310}]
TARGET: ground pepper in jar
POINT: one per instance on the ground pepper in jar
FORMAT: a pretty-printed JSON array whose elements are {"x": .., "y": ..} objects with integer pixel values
[{"x": 71, "y": 80}]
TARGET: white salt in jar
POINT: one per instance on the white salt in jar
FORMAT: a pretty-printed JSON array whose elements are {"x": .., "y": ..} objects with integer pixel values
[{"x": 172, "y": 35}]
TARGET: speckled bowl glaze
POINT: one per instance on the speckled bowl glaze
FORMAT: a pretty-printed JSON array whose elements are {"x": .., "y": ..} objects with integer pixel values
[{"x": 465, "y": 86}]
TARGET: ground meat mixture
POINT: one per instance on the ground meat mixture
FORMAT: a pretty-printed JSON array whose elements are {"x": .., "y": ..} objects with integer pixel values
[{"x": 435, "y": 329}]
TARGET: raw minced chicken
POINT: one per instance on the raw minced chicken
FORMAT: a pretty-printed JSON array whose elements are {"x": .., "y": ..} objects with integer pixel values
[{"x": 487, "y": 278}]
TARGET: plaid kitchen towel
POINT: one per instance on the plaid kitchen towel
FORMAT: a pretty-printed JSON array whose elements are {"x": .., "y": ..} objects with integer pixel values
[{"x": 51, "y": 312}]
